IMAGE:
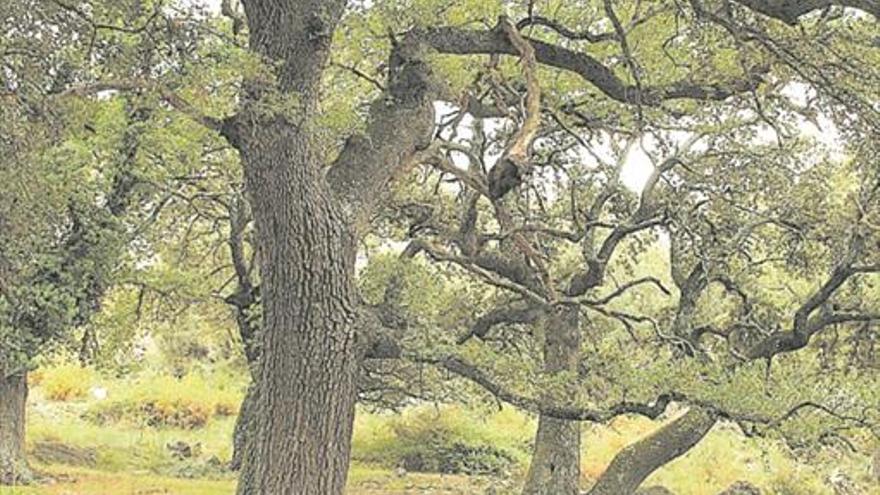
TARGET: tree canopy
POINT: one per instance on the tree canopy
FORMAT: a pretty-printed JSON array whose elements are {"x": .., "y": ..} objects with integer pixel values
[{"x": 581, "y": 208}]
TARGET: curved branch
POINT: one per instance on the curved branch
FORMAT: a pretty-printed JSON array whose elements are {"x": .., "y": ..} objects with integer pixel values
[
  {"x": 790, "y": 12},
  {"x": 499, "y": 316},
  {"x": 450, "y": 40},
  {"x": 508, "y": 172},
  {"x": 625, "y": 287},
  {"x": 806, "y": 325},
  {"x": 631, "y": 466},
  {"x": 572, "y": 413}
]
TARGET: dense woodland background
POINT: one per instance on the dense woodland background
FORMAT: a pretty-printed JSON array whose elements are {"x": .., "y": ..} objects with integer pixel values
[{"x": 440, "y": 246}]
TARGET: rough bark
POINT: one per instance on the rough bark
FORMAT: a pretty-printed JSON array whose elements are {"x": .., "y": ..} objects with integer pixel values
[
  {"x": 307, "y": 222},
  {"x": 308, "y": 364},
  {"x": 245, "y": 426},
  {"x": 636, "y": 462},
  {"x": 555, "y": 466},
  {"x": 13, "y": 399}
]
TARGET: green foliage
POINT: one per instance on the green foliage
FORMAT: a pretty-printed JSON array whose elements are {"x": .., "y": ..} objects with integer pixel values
[
  {"x": 66, "y": 382},
  {"x": 165, "y": 402},
  {"x": 61, "y": 252},
  {"x": 445, "y": 440},
  {"x": 126, "y": 450}
]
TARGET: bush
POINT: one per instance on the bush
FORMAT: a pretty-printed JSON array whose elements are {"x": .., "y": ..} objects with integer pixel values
[
  {"x": 425, "y": 440},
  {"x": 66, "y": 382},
  {"x": 161, "y": 402},
  {"x": 456, "y": 458}
]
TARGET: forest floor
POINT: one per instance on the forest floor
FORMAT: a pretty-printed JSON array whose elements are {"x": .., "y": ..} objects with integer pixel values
[
  {"x": 77, "y": 481},
  {"x": 93, "y": 435}
]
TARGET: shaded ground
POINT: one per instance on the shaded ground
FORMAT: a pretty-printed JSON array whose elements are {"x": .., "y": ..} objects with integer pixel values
[{"x": 365, "y": 481}]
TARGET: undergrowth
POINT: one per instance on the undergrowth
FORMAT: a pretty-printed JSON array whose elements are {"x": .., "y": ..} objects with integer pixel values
[{"x": 128, "y": 434}]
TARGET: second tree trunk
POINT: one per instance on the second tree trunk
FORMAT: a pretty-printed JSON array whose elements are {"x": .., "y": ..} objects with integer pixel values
[
  {"x": 13, "y": 401},
  {"x": 556, "y": 459}
]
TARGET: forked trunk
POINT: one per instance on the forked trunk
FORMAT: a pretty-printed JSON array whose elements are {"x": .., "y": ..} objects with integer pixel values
[
  {"x": 13, "y": 400},
  {"x": 308, "y": 366},
  {"x": 555, "y": 466},
  {"x": 631, "y": 466}
]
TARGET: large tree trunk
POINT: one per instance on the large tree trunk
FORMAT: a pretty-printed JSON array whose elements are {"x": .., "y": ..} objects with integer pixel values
[
  {"x": 308, "y": 366},
  {"x": 306, "y": 223},
  {"x": 636, "y": 462},
  {"x": 556, "y": 459},
  {"x": 13, "y": 400},
  {"x": 308, "y": 362}
]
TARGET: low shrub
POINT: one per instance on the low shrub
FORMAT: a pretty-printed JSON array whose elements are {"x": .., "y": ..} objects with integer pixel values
[
  {"x": 159, "y": 413},
  {"x": 164, "y": 402},
  {"x": 426, "y": 440},
  {"x": 210, "y": 468},
  {"x": 66, "y": 382},
  {"x": 455, "y": 458}
]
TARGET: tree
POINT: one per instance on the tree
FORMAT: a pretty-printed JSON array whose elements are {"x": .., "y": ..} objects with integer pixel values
[
  {"x": 57, "y": 269},
  {"x": 280, "y": 163},
  {"x": 74, "y": 170},
  {"x": 313, "y": 198},
  {"x": 472, "y": 249}
]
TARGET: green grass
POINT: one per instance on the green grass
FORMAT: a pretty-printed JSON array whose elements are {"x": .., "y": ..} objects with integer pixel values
[
  {"x": 363, "y": 480},
  {"x": 125, "y": 445},
  {"x": 133, "y": 458},
  {"x": 75, "y": 481}
]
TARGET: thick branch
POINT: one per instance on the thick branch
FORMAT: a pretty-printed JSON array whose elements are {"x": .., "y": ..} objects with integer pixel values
[
  {"x": 401, "y": 123},
  {"x": 806, "y": 325},
  {"x": 637, "y": 461},
  {"x": 386, "y": 346},
  {"x": 458, "y": 41},
  {"x": 499, "y": 316},
  {"x": 514, "y": 162},
  {"x": 790, "y": 12}
]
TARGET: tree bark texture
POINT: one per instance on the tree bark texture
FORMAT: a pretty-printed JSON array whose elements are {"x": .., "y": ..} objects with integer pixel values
[
  {"x": 245, "y": 425},
  {"x": 307, "y": 222},
  {"x": 555, "y": 466},
  {"x": 631, "y": 466},
  {"x": 308, "y": 364},
  {"x": 13, "y": 399}
]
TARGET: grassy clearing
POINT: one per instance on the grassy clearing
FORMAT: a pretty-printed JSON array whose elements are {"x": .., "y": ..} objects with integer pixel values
[
  {"x": 127, "y": 452},
  {"x": 363, "y": 481}
]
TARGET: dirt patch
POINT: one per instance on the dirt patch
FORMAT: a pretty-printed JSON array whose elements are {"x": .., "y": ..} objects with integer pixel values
[{"x": 60, "y": 453}]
